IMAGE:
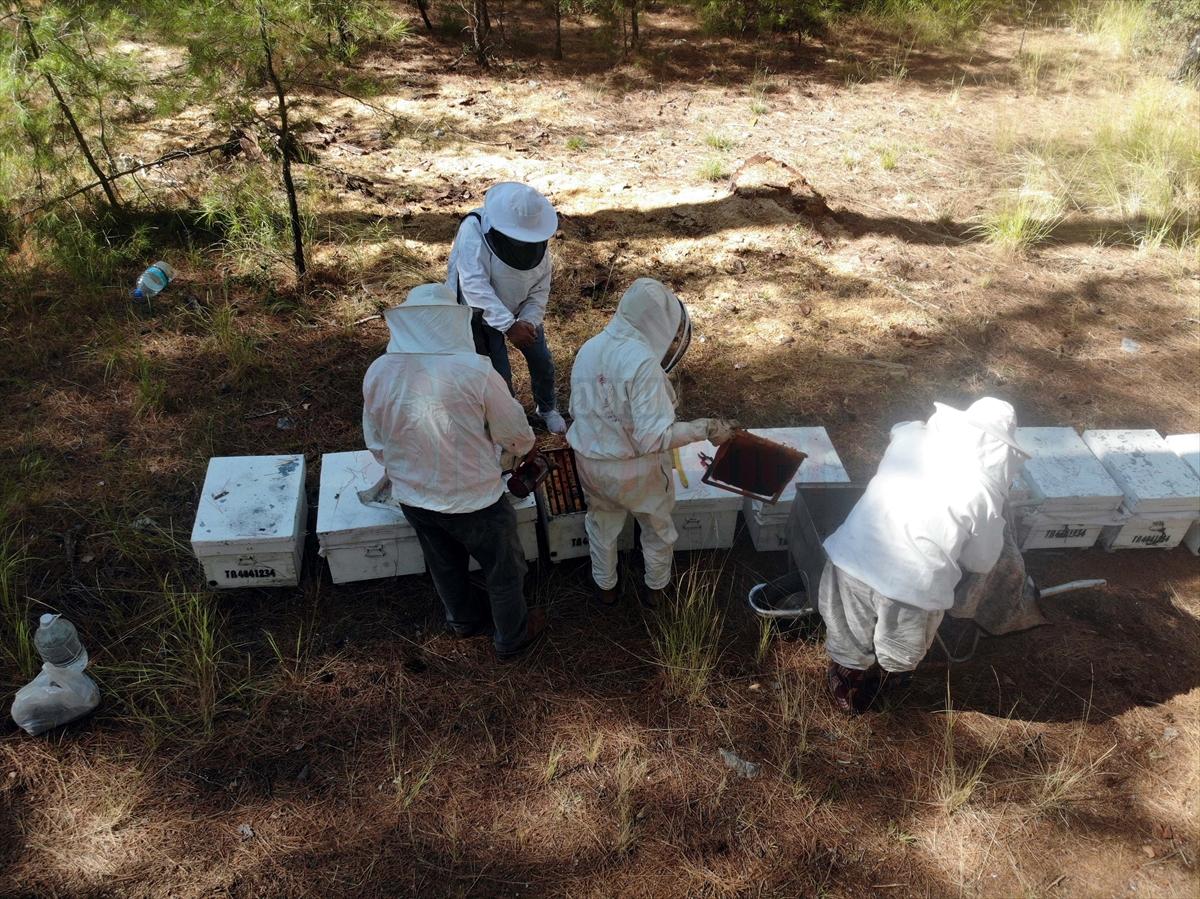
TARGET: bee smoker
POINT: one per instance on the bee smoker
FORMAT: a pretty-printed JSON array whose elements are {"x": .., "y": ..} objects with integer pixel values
[{"x": 526, "y": 476}]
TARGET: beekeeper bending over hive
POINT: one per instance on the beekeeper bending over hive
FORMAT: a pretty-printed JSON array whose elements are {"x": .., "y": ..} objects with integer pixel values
[
  {"x": 500, "y": 267},
  {"x": 434, "y": 413},
  {"x": 933, "y": 511},
  {"x": 624, "y": 429}
]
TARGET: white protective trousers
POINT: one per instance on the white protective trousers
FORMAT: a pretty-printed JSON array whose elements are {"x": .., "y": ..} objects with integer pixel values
[
  {"x": 615, "y": 488},
  {"x": 863, "y": 626}
]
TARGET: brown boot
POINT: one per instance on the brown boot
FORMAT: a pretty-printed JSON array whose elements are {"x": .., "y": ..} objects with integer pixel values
[
  {"x": 607, "y": 598},
  {"x": 653, "y": 598},
  {"x": 535, "y": 629}
]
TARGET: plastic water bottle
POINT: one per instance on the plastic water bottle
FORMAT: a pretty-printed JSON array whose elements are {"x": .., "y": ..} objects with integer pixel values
[
  {"x": 58, "y": 643},
  {"x": 153, "y": 280}
]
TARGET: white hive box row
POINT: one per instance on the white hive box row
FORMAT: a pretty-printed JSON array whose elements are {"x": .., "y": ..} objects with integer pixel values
[
  {"x": 250, "y": 522},
  {"x": 767, "y": 523},
  {"x": 1162, "y": 491},
  {"x": 1187, "y": 448},
  {"x": 1066, "y": 494},
  {"x": 362, "y": 541}
]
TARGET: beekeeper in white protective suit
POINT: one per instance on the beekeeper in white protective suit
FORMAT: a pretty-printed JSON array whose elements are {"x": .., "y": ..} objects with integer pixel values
[
  {"x": 500, "y": 267},
  {"x": 934, "y": 510},
  {"x": 624, "y": 429},
  {"x": 437, "y": 417}
]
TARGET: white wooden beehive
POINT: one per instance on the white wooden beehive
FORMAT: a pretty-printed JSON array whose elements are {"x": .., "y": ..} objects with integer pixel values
[
  {"x": 1156, "y": 482},
  {"x": 767, "y": 523},
  {"x": 527, "y": 522},
  {"x": 1072, "y": 494},
  {"x": 361, "y": 541},
  {"x": 705, "y": 516},
  {"x": 566, "y": 536},
  {"x": 1187, "y": 448},
  {"x": 250, "y": 521},
  {"x": 1162, "y": 493}
]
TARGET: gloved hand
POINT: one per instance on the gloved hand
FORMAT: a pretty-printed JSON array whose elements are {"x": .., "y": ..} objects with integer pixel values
[
  {"x": 719, "y": 430},
  {"x": 521, "y": 334}
]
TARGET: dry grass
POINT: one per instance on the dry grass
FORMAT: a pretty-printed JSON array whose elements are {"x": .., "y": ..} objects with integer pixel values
[{"x": 335, "y": 721}]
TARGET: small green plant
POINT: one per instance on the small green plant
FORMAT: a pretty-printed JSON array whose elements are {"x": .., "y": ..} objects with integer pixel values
[
  {"x": 577, "y": 143},
  {"x": 557, "y": 751},
  {"x": 1017, "y": 224},
  {"x": 955, "y": 783},
  {"x": 713, "y": 169},
  {"x": 1116, "y": 25},
  {"x": 629, "y": 775},
  {"x": 797, "y": 696},
  {"x": 16, "y": 635},
  {"x": 889, "y": 158},
  {"x": 719, "y": 141},
  {"x": 688, "y": 633},
  {"x": 150, "y": 389},
  {"x": 230, "y": 341},
  {"x": 185, "y": 674},
  {"x": 766, "y": 631}
]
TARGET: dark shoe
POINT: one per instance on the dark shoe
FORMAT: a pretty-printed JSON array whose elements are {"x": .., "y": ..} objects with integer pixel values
[
  {"x": 607, "y": 598},
  {"x": 852, "y": 690},
  {"x": 480, "y": 629},
  {"x": 535, "y": 629},
  {"x": 652, "y": 599}
]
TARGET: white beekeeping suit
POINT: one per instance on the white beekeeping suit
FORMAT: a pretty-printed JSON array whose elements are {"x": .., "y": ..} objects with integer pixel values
[
  {"x": 434, "y": 411},
  {"x": 484, "y": 281},
  {"x": 934, "y": 509},
  {"x": 624, "y": 411},
  {"x": 935, "y": 506}
]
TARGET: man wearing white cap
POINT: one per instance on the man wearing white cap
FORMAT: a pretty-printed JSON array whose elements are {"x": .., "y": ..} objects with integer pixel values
[
  {"x": 500, "y": 267},
  {"x": 934, "y": 510},
  {"x": 434, "y": 413}
]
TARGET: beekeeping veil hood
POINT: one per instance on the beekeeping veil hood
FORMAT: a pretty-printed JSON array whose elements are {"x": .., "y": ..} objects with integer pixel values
[
  {"x": 430, "y": 320},
  {"x": 985, "y": 435},
  {"x": 651, "y": 313}
]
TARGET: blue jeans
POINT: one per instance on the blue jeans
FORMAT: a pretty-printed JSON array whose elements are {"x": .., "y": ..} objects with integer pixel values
[
  {"x": 448, "y": 540},
  {"x": 493, "y": 344}
]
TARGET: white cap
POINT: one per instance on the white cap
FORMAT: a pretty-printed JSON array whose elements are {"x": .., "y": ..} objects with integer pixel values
[{"x": 520, "y": 212}]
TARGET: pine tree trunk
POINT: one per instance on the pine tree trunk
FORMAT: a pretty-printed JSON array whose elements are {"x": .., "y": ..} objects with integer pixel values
[
  {"x": 423, "y": 8},
  {"x": 479, "y": 32},
  {"x": 285, "y": 145},
  {"x": 35, "y": 53},
  {"x": 558, "y": 51},
  {"x": 485, "y": 17},
  {"x": 633, "y": 23}
]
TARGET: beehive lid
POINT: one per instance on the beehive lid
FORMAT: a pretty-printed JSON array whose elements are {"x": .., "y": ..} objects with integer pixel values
[
  {"x": 342, "y": 518},
  {"x": 1152, "y": 476},
  {"x": 1062, "y": 474},
  {"x": 249, "y": 502},
  {"x": 823, "y": 466},
  {"x": 1187, "y": 448},
  {"x": 697, "y": 494}
]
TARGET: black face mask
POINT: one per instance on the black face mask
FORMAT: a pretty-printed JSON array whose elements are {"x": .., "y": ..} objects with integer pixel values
[{"x": 516, "y": 253}]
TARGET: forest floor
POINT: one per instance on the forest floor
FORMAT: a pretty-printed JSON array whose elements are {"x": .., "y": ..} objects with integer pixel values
[{"x": 331, "y": 740}]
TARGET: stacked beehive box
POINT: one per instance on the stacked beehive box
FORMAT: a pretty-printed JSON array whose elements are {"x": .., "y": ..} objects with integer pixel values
[
  {"x": 1162, "y": 493},
  {"x": 1069, "y": 496},
  {"x": 767, "y": 523},
  {"x": 1187, "y": 448}
]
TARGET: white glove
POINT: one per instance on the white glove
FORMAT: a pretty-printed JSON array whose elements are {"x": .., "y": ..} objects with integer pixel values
[{"x": 719, "y": 430}]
